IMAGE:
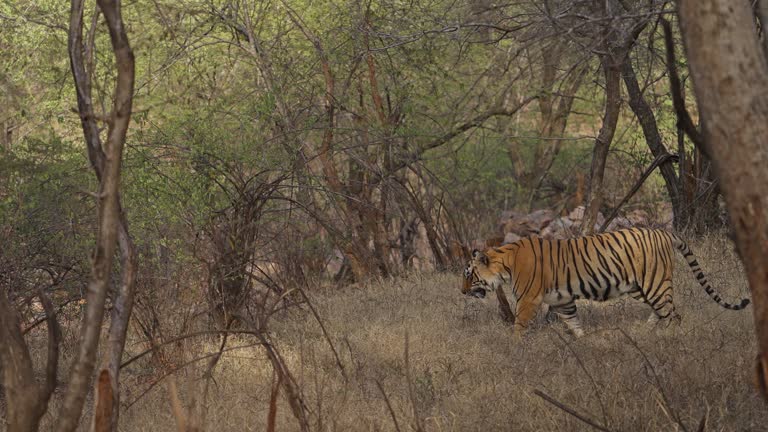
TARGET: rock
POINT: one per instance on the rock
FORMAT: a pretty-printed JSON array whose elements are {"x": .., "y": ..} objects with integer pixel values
[
  {"x": 638, "y": 217},
  {"x": 560, "y": 228},
  {"x": 619, "y": 223},
  {"x": 577, "y": 214},
  {"x": 526, "y": 225},
  {"x": 540, "y": 218},
  {"x": 517, "y": 226},
  {"x": 600, "y": 220},
  {"x": 334, "y": 262},
  {"x": 510, "y": 214},
  {"x": 511, "y": 237}
]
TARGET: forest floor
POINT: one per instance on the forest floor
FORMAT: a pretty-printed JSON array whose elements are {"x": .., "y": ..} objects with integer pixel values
[{"x": 466, "y": 373}]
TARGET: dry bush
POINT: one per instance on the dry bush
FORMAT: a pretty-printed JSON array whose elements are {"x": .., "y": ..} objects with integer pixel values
[{"x": 466, "y": 373}]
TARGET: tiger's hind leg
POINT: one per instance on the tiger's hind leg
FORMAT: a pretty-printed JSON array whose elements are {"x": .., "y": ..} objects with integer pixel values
[
  {"x": 660, "y": 300},
  {"x": 638, "y": 294},
  {"x": 567, "y": 313}
]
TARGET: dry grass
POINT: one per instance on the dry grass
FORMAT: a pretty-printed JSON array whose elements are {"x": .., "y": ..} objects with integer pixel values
[{"x": 466, "y": 373}]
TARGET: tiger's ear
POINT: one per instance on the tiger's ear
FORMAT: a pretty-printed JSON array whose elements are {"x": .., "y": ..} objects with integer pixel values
[{"x": 480, "y": 257}]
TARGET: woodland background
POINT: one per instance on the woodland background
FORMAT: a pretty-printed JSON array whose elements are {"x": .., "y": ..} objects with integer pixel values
[{"x": 281, "y": 150}]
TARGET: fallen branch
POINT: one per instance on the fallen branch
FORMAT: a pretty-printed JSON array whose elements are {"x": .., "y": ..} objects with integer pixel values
[
  {"x": 389, "y": 406},
  {"x": 586, "y": 372},
  {"x": 569, "y": 410}
]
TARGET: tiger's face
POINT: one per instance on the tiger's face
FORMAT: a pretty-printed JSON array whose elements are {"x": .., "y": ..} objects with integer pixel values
[{"x": 478, "y": 279}]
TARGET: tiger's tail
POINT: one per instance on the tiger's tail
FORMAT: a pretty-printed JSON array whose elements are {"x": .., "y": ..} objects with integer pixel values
[{"x": 682, "y": 246}]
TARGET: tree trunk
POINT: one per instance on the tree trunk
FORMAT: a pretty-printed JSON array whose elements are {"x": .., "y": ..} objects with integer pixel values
[
  {"x": 647, "y": 121},
  {"x": 594, "y": 200},
  {"x": 27, "y": 401},
  {"x": 106, "y": 161},
  {"x": 730, "y": 78}
]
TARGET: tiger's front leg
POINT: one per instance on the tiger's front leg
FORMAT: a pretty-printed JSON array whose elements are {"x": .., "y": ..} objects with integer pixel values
[
  {"x": 526, "y": 310},
  {"x": 504, "y": 309}
]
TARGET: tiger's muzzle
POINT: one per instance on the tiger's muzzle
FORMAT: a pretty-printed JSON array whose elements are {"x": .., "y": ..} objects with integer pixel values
[{"x": 473, "y": 286}]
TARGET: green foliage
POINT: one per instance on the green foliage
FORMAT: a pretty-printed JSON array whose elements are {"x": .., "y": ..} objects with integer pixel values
[
  {"x": 213, "y": 102},
  {"x": 47, "y": 197}
]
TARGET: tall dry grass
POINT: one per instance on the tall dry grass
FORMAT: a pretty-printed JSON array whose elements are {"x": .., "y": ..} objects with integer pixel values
[{"x": 465, "y": 372}]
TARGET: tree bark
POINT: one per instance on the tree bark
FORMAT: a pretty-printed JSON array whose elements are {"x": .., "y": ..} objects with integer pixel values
[
  {"x": 612, "y": 72},
  {"x": 730, "y": 77},
  {"x": 112, "y": 228},
  {"x": 27, "y": 401}
]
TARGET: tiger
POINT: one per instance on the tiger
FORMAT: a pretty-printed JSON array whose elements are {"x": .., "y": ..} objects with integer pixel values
[{"x": 634, "y": 261}]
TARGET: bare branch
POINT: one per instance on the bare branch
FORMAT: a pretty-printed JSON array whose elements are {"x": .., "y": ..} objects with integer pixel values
[{"x": 389, "y": 405}]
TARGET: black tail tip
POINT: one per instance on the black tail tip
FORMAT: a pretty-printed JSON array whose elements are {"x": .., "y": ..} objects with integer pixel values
[{"x": 744, "y": 303}]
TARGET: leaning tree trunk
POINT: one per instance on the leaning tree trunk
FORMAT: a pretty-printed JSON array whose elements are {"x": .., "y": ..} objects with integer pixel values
[
  {"x": 730, "y": 77},
  {"x": 647, "y": 121},
  {"x": 612, "y": 71}
]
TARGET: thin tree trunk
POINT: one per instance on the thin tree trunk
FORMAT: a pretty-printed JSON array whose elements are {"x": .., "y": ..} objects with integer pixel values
[
  {"x": 730, "y": 77},
  {"x": 647, "y": 121},
  {"x": 594, "y": 200},
  {"x": 122, "y": 307},
  {"x": 110, "y": 216}
]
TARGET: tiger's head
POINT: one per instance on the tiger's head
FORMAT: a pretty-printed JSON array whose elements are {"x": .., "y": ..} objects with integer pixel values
[{"x": 479, "y": 276}]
